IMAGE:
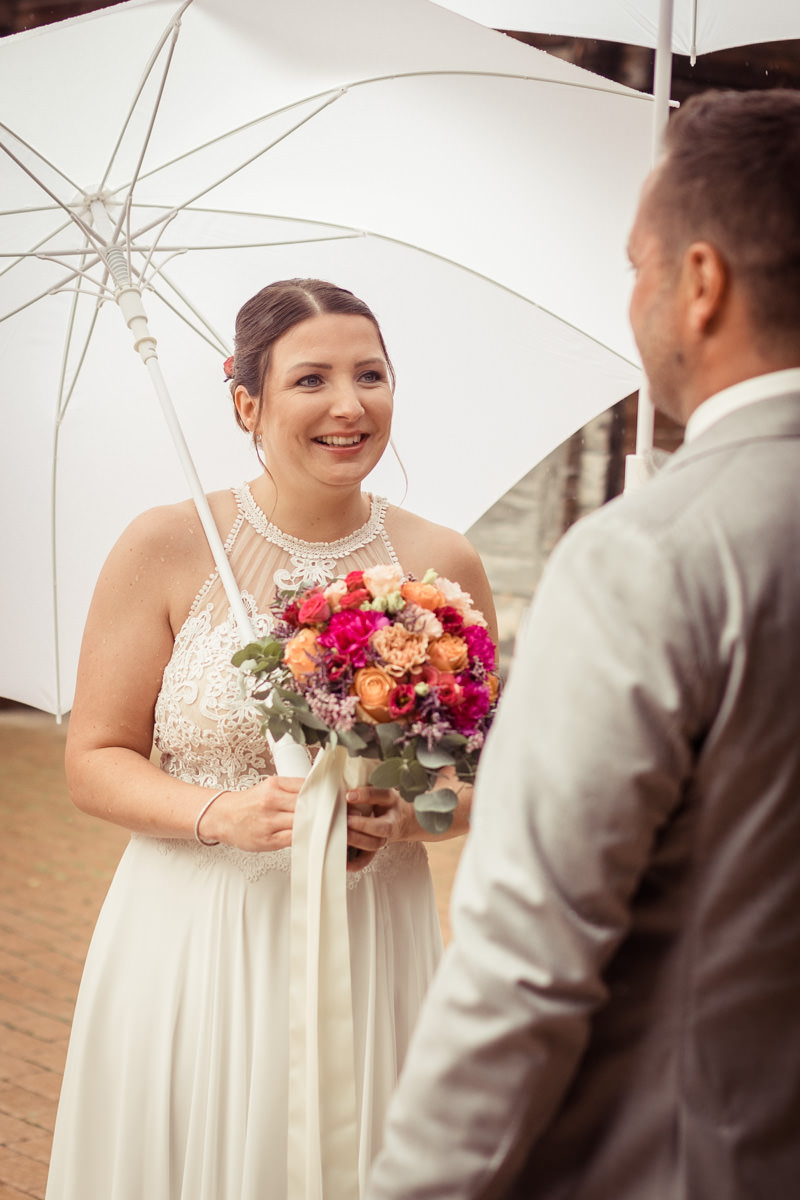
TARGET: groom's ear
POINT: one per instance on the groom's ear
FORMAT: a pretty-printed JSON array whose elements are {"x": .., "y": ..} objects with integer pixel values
[{"x": 705, "y": 287}]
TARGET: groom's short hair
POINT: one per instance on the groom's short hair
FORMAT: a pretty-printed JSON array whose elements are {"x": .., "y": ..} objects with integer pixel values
[{"x": 730, "y": 176}]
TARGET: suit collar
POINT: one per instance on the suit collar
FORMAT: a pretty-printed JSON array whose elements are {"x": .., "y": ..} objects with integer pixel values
[
  {"x": 776, "y": 417},
  {"x": 748, "y": 391}
]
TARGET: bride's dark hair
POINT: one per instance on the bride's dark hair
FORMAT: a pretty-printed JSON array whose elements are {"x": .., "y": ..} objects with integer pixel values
[{"x": 275, "y": 310}]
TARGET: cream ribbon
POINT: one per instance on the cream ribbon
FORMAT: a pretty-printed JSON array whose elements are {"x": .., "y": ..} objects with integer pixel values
[{"x": 323, "y": 1141}]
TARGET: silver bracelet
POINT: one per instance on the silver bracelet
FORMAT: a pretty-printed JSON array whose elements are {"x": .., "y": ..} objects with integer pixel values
[{"x": 202, "y": 813}]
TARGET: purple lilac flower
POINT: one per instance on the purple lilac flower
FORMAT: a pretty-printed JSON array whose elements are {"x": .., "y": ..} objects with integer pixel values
[{"x": 339, "y": 712}]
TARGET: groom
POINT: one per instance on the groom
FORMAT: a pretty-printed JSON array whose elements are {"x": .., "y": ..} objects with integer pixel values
[{"x": 616, "y": 1017}]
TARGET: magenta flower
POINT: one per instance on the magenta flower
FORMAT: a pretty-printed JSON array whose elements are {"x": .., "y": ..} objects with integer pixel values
[
  {"x": 473, "y": 708},
  {"x": 348, "y": 634},
  {"x": 480, "y": 645}
]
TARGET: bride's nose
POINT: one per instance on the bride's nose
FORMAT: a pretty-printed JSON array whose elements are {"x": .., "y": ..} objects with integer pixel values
[{"x": 345, "y": 402}]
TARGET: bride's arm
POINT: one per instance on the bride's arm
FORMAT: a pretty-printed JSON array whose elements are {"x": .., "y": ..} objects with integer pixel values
[{"x": 142, "y": 595}]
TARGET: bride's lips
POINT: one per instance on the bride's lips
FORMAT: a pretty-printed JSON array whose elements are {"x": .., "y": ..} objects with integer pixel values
[{"x": 341, "y": 442}]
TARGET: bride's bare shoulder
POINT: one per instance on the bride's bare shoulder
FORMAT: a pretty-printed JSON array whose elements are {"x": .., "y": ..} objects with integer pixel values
[
  {"x": 171, "y": 536},
  {"x": 176, "y": 528},
  {"x": 421, "y": 544}
]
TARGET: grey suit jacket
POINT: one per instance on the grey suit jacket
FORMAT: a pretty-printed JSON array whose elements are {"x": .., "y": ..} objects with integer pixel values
[{"x": 618, "y": 1015}]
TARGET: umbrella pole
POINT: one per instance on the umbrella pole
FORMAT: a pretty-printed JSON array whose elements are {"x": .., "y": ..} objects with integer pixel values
[
  {"x": 289, "y": 757},
  {"x": 639, "y": 466}
]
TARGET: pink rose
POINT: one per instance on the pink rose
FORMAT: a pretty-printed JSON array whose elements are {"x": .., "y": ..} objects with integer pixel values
[
  {"x": 448, "y": 689},
  {"x": 354, "y": 599},
  {"x": 314, "y": 610}
]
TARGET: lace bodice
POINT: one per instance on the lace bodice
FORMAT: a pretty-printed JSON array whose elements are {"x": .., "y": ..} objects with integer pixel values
[{"x": 206, "y": 730}]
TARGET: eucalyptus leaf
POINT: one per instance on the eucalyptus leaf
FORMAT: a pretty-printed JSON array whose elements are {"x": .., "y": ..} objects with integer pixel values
[
  {"x": 252, "y": 650},
  {"x": 352, "y": 742},
  {"x": 434, "y": 810},
  {"x": 387, "y": 774},
  {"x": 310, "y": 720},
  {"x": 413, "y": 780},
  {"x": 433, "y": 760},
  {"x": 453, "y": 741},
  {"x": 388, "y": 734}
]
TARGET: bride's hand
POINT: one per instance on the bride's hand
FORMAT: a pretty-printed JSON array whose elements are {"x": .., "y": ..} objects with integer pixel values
[
  {"x": 258, "y": 818},
  {"x": 375, "y": 816}
]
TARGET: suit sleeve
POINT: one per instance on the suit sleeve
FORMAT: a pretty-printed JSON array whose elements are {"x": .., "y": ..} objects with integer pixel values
[{"x": 586, "y": 761}]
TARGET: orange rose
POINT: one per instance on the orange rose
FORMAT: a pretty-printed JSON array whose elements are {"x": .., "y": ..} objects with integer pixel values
[
  {"x": 423, "y": 594},
  {"x": 448, "y": 653},
  {"x": 493, "y": 684},
  {"x": 299, "y": 653},
  {"x": 372, "y": 687}
]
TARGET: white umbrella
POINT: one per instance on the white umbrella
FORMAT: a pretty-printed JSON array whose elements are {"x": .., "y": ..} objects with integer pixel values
[
  {"x": 475, "y": 193},
  {"x": 698, "y": 26},
  {"x": 669, "y": 26}
]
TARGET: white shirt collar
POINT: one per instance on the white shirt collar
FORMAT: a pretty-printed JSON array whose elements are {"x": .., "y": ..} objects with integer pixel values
[{"x": 760, "y": 387}]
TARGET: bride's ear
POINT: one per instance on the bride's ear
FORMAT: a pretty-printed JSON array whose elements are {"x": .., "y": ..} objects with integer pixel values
[{"x": 246, "y": 406}]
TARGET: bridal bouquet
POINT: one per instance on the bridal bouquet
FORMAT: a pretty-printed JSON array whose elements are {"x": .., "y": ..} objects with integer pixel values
[{"x": 393, "y": 668}]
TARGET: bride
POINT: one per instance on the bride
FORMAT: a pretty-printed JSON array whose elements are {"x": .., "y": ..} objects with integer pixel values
[{"x": 177, "y": 1073}]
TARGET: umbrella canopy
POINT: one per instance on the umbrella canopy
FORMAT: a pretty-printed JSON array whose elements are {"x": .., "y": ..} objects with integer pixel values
[
  {"x": 698, "y": 27},
  {"x": 475, "y": 193}
]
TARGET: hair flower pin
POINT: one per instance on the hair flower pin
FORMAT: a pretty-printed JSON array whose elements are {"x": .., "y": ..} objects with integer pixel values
[{"x": 227, "y": 367}]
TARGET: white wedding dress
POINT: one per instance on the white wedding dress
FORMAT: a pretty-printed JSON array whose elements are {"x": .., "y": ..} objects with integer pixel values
[{"x": 175, "y": 1086}]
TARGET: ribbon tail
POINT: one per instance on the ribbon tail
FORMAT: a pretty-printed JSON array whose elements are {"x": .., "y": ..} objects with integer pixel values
[{"x": 322, "y": 1149}]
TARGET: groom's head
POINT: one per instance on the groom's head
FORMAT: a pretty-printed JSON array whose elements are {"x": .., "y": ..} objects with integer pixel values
[{"x": 716, "y": 247}]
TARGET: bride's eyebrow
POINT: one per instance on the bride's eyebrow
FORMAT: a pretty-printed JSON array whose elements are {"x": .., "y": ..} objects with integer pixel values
[{"x": 319, "y": 366}]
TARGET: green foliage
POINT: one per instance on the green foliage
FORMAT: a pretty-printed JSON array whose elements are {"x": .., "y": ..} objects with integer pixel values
[{"x": 434, "y": 810}]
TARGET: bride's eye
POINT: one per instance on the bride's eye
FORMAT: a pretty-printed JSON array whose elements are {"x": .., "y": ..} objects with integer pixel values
[
  {"x": 371, "y": 377},
  {"x": 309, "y": 381}
]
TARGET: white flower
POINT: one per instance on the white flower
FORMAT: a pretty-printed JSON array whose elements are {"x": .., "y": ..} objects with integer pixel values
[
  {"x": 334, "y": 592},
  {"x": 461, "y": 601},
  {"x": 382, "y": 580}
]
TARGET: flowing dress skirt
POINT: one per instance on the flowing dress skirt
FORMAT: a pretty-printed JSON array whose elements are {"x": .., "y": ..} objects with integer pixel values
[{"x": 175, "y": 1086}]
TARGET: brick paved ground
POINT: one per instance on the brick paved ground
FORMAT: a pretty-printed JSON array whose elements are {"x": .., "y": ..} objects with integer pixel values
[{"x": 55, "y": 865}]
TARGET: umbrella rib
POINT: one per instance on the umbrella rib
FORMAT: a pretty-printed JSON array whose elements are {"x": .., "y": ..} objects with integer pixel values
[
  {"x": 337, "y": 93},
  {"x": 40, "y": 157},
  {"x": 73, "y": 216},
  {"x": 33, "y": 252},
  {"x": 63, "y": 403},
  {"x": 246, "y": 163},
  {"x": 172, "y": 29},
  {"x": 149, "y": 131},
  {"x": 173, "y": 251},
  {"x": 220, "y": 346}
]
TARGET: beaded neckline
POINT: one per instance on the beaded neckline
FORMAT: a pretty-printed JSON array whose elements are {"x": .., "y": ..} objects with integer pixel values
[
  {"x": 256, "y": 517},
  {"x": 312, "y": 562}
]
